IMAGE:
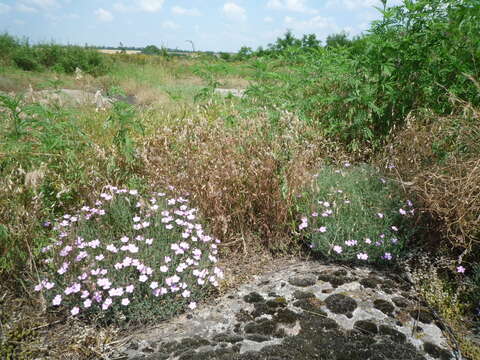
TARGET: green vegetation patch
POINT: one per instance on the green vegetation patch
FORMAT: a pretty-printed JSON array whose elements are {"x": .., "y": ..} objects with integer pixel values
[
  {"x": 354, "y": 214},
  {"x": 129, "y": 258}
]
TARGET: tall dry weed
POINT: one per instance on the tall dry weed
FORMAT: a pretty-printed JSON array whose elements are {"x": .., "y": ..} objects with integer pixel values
[
  {"x": 439, "y": 158},
  {"x": 245, "y": 177}
]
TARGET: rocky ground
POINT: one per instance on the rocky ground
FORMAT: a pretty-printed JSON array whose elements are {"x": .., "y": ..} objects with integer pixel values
[{"x": 302, "y": 310}]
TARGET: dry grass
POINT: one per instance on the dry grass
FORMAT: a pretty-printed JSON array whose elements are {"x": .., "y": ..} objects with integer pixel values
[
  {"x": 439, "y": 158},
  {"x": 234, "y": 82},
  {"x": 243, "y": 178}
]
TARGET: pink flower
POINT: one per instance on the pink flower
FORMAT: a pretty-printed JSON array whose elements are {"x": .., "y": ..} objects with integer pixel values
[
  {"x": 115, "y": 292},
  {"x": 380, "y": 215},
  {"x": 125, "y": 301},
  {"x": 362, "y": 256},
  {"x": 192, "y": 305},
  {"x": 87, "y": 303},
  {"x": 106, "y": 304},
  {"x": 337, "y": 249},
  {"x": 129, "y": 289},
  {"x": 94, "y": 243},
  {"x": 57, "y": 300},
  {"x": 322, "y": 229},
  {"x": 75, "y": 310},
  {"x": 112, "y": 248},
  {"x": 460, "y": 269},
  {"x": 143, "y": 278},
  {"x": 104, "y": 283}
]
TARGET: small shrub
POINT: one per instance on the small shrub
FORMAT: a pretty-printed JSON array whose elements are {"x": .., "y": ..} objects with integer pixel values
[
  {"x": 24, "y": 57},
  {"x": 355, "y": 214},
  {"x": 130, "y": 258},
  {"x": 8, "y": 44}
]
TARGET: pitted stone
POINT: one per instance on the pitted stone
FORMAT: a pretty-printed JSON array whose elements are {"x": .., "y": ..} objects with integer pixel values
[
  {"x": 302, "y": 281},
  {"x": 340, "y": 304}
]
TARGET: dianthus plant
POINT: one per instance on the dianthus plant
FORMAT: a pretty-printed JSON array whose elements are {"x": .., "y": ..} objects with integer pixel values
[
  {"x": 353, "y": 213},
  {"x": 129, "y": 255}
]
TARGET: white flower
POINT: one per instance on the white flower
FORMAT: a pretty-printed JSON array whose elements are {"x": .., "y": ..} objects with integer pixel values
[
  {"x": 57, "y": 300},
  {"x": 75, "y": 311}
]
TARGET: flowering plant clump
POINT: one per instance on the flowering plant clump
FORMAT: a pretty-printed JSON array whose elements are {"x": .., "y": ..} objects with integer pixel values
[
  {"x": 354, "y": 214},
  {"x": 130, "y": 256}
]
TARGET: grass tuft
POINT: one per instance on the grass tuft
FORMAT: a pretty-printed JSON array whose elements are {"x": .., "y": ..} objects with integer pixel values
[{"x": 354, "y": 214}]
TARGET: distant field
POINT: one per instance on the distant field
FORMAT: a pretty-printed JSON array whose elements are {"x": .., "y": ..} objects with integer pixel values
[{"x": 106, "y": 51}]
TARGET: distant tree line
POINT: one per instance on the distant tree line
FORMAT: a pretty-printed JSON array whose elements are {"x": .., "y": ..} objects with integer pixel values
[{"x": 307, "y": 42}]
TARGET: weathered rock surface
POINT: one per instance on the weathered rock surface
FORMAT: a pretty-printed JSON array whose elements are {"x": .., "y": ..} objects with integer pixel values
[
  {"x": 227, "y": 92},
  {"x": 76, "y": 97},
  {"x": 306, "y": 310}
]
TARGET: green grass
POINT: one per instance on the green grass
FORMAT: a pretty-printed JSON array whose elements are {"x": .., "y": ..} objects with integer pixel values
[{"x": 354, "y": 214}]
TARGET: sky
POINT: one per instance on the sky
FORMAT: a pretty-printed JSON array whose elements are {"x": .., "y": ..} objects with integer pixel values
[{"x": 212, "y": 25}]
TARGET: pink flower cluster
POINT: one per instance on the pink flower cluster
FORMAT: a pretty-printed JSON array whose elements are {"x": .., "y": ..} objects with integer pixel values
[{"x": 94, "y": 273}]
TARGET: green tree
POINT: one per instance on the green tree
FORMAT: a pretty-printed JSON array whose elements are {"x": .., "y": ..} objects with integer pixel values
[
  {"x": 338, "y": 40},
  {"x": 310, "y": 41},
  {"x": 151, "y": 50}
]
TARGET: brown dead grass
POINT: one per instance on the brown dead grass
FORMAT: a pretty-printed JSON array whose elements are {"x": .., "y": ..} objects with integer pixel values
[
  {"x": 439, "y": 159},
  {"x": 234, "y": 82},
  {"x": 145, "y": 95},
  {"x": 245, "y": 178}
]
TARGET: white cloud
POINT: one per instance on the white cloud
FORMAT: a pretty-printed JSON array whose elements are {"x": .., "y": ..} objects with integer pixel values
[
  {"x": 43, "y": 3},
  {"x": 234, "y": 12},
  {"x": 24, "y": 8},
  {"x": 151, "y": 5},
  {"x": 290, "y": 5},
  {"x": 182, "y": 11},
  {"x": 268, "y": 19},
  {"x": 103, "y": 15},
  {"x": 4, "y": 8},
  {"x": 120, "y": 7},
  {"x": 314, "y": 24},
  {"x": 170, "y": 25},
  {"x": 360, "y": 4}
]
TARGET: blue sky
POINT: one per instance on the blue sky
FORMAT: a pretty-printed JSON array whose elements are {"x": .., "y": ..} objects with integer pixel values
[{"x": 216, "y": 25}]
